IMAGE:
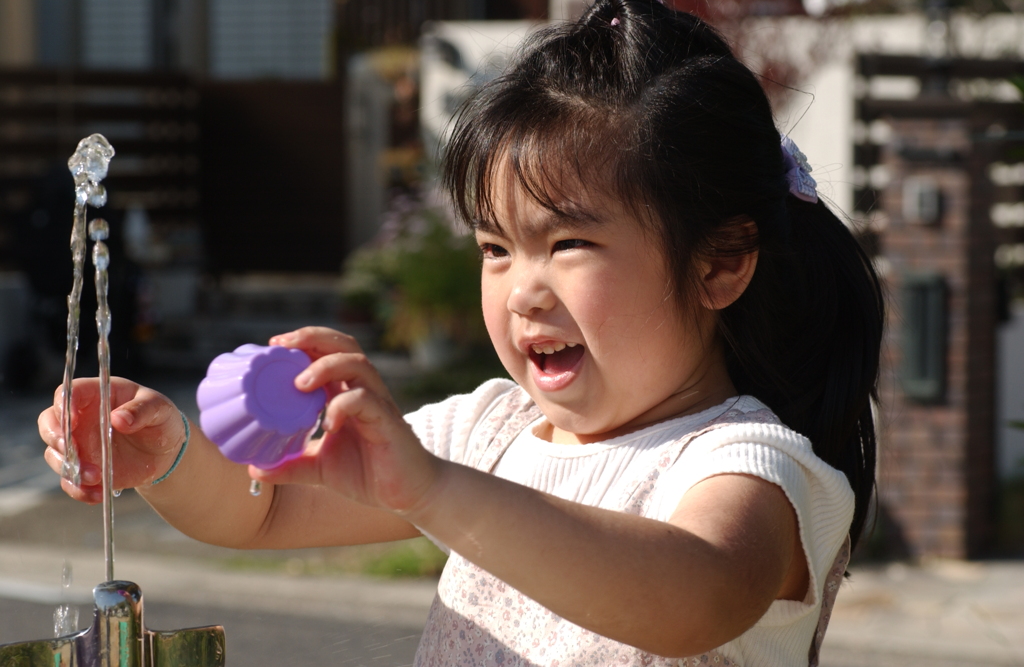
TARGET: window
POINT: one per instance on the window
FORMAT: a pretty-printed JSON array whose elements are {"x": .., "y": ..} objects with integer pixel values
[{"x": 924, "y": 337}]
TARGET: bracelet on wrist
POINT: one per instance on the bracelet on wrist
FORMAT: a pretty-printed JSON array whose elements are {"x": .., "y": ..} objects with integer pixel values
[{"x": 181, "y": 452}]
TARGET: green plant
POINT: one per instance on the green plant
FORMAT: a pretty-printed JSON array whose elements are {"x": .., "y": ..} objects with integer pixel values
[
  {"x": 419, "y": 278},
  {"x": 1018, "y": 81},
  {"x": 416, "y": 558}
]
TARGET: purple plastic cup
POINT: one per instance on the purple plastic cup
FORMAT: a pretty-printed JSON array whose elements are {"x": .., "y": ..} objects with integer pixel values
[{"x": 249, "y": 406}]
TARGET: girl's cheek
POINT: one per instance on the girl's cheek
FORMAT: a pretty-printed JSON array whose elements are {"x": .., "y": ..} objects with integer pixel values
[{"x": 495, "y": 313}]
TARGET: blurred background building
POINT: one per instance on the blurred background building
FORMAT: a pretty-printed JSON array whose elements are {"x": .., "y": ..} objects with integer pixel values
[{"x": 265, "y": 145}]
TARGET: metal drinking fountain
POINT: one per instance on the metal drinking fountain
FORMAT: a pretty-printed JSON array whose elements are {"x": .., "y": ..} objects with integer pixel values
[{"x": 119, "y": 638}]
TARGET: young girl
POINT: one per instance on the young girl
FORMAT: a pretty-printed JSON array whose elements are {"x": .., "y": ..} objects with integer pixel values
[{"x": 685, "y": 458}]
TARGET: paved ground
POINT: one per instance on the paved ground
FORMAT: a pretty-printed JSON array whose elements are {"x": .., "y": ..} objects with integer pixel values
[{"x": 939, "y": 613}]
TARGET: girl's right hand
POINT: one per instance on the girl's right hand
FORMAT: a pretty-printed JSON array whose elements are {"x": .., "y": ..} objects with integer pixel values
[
  {"x": 368, "y": 453},
  {"x": 147, "y": 434}
]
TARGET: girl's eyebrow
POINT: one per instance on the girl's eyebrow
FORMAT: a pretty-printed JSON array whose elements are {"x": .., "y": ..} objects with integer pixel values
[{"x": 567, "y": 219}]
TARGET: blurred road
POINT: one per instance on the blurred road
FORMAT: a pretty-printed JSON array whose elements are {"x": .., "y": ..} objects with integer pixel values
[{"x": 937, "y": 613}]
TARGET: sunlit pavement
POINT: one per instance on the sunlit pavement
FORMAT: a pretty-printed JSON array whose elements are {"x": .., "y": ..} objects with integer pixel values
[{"x": 937, "y": 613}]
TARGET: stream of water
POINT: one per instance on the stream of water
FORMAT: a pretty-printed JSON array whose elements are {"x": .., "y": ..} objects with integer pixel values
[
  {"x": 88, "y": 165},
  {"x": 65, "y": 616},
  {"x": 99, "y": 230}
]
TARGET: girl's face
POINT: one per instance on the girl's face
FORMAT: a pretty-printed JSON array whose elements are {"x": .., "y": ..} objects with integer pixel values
[{"x": 583, "y": 316}]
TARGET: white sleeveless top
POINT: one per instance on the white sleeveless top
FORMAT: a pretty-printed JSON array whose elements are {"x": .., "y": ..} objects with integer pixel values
[{"x": 477, "y": 620}]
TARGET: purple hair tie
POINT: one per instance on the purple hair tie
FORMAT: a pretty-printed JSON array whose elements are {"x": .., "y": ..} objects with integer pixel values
[{"x": 798, "y": 172}]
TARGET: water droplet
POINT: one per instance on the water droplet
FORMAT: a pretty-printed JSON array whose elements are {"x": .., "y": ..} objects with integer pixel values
[
  {"x": 92, "y": 158},
  {"x": 71, "y": 471},
  {"x": 100, "y": 256},
  {"x": 60, "y": 615},
  {"x": 255, "y": 487},
  {"x": 66, "y": 574},
  {"x": 84, "y": 192},
  {"x": 99, "y": 229},
  {"x": 65, "y": 620},
  {"x": 98, "y": 197},
  {"x": 117, "y": 493}
]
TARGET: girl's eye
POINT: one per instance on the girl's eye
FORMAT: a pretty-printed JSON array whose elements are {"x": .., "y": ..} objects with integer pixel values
[
  {"x": 570, "y": 244},
  {"x": 492, "y": 251}
]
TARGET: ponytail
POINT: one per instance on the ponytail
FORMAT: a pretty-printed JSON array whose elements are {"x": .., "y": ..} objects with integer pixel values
[{"x": 805, "y": 339}]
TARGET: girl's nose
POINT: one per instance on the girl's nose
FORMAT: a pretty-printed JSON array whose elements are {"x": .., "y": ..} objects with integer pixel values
[{"x": 530, "y": 293}]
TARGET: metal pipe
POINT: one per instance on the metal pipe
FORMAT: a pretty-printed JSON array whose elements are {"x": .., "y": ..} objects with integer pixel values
[{"x": 118, "y": 638}]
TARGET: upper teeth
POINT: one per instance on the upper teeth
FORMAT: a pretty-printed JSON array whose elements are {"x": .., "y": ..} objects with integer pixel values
[{"x": 551, "y": 348}]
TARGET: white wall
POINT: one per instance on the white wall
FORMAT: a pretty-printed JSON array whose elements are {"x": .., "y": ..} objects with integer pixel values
[
  {"x": 822, "y": 127},
  {"x": 481, "y": 50}
]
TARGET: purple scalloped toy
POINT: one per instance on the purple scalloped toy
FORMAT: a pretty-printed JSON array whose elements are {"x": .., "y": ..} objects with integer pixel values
[{"x": 250, "y": 408}]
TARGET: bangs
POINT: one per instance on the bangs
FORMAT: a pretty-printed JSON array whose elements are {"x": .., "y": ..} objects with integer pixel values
[{"x": 552, "y": 147}]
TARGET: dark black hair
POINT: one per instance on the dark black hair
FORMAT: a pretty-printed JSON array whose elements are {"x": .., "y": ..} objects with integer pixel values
[{"x": 653, "y": 102}]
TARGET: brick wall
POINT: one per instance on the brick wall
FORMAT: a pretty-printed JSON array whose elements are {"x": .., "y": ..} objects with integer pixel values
[{"x": 936, "y": 463}]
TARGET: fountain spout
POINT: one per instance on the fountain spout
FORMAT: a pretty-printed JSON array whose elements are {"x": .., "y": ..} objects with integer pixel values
[{"x": 118, "y": 638}]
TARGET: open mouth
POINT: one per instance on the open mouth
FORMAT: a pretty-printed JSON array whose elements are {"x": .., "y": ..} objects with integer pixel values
[{"x": 553, "y": 359}]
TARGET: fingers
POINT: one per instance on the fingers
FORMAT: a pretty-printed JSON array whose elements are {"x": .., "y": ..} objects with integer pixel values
[
  {"x": 51, "y": 431},
  {"x": 146, "y": 409},
  {"x": 352, "y": 369},
  {"x": 50, "y": 428},
  {"x": 318, "y": 341},
  {"x": 338, "y": 361},
  {"x": 85, "y": 395},
  {"x": 374, "y": 417},
  {"x": 91, "y": 477},
  {"x": 370, "y": 455},
  {"x": 147, "y": 430},
  {"x": 91, "y": 495}
]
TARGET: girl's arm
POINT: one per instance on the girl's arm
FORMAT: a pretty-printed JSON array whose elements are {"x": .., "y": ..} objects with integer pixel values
[
  {"x": 676, "y": 588},
  {"x": 206, "y": 497}
]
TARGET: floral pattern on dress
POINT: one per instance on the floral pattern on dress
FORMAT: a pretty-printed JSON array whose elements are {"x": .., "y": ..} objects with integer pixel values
[
  {"x": 477, "y": 620},
  {"x": 828, "y": 600},
  {"x": 735, "y": 416}
]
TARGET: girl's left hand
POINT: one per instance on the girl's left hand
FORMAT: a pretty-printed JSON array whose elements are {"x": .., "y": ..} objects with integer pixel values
[{"x": 368, "y": 452}]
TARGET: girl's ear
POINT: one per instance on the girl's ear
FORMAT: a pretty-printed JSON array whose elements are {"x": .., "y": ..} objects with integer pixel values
[{"x": 724, "y": 278}]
